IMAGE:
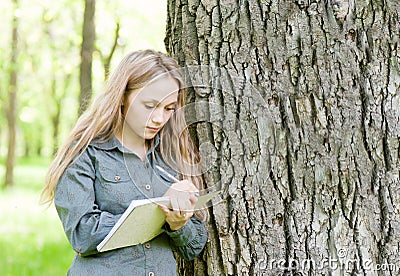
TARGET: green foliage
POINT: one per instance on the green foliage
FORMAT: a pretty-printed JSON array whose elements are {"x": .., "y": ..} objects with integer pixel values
[
  {"x": 32, "y": 241},
  {"x": 49, "y": 58},
  {"x": 30, "y": 172}
]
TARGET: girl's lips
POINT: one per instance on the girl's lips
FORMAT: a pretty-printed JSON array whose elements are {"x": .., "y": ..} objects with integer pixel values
[{"x": 153, "y": 128}]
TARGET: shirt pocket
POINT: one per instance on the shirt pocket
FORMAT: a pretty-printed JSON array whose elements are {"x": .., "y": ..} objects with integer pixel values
[
  {"x": 114, "y": 187},
  {"x": 113, "y": 176}
]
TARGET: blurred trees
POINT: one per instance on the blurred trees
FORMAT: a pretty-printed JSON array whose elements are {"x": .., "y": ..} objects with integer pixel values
[
  {"x": 106, "y": 58},
  {"x": 60, "y": 75},
  {"x": 11, "y": 109},
  {"x": 47, "y": 68},
  {"x": 88, "y": 39}
]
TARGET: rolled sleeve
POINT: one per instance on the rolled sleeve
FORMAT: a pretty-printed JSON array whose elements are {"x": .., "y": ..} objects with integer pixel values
[
  {"x": 190, "y": 239},
  {"x": 84, "y": 223}
]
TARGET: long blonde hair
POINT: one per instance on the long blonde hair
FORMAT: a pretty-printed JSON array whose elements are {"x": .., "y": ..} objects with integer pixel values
[{"x": 104, "y": 119}]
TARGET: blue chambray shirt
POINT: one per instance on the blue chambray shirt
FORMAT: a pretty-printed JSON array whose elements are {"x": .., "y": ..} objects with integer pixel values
[{"x": 91, "y": 196}]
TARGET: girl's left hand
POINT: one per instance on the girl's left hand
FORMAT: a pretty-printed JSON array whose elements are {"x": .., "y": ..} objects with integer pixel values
[{"x": 182, "y": 203}]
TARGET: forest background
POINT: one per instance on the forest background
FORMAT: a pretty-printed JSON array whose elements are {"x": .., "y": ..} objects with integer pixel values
[{"x": 40, "y": 50}]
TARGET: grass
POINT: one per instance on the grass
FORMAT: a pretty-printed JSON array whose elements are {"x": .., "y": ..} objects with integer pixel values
[{"x": 32, "y": 241}]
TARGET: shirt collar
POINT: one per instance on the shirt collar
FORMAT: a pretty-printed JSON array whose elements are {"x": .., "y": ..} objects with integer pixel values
[{"x": 113, "y": 143}]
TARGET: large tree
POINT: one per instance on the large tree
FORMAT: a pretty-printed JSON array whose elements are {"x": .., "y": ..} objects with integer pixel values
[{"x": 309, "y": 165}]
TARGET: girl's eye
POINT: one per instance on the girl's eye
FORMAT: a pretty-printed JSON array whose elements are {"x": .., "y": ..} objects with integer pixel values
[
  {"x": 171, "y": 109},
  {"x": 149, "y": 106}
]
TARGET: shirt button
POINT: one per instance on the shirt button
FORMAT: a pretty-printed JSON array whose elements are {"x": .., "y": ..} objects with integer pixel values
[
  {"x": 147, "y": 245},
  {"x": 151, "y": 273},
  {"x": 148, "y": 187},
  {"x": 117, "y": 178}
]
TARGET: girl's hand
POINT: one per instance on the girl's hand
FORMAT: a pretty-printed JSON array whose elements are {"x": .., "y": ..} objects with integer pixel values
[{"x": 183, "y": 200}]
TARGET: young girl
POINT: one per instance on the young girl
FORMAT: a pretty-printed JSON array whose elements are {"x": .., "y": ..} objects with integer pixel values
[{"x": 109, "y": 160}]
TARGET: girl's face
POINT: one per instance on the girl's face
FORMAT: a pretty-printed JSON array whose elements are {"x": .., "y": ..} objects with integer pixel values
[{"x": 147, "y": 109}]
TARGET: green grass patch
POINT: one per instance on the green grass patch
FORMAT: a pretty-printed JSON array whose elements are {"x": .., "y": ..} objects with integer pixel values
[
  {"x": 32, "y": 241},
  {"x": 29, "y": 173}
]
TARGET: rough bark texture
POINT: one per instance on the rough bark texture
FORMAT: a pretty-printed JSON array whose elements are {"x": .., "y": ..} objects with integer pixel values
[
  {"x": 310, "y": 166},
  {"x": 88, "y": 38},
  {"x": 11, "y": 109}
]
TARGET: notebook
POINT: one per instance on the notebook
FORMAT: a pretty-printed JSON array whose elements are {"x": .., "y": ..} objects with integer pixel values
[{"x": 142, "y": 221}]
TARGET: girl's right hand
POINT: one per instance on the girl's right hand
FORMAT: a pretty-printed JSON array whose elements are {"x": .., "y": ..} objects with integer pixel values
[
  {"x": 182, "y": 186},
  {"x": 183, "y": 199}
]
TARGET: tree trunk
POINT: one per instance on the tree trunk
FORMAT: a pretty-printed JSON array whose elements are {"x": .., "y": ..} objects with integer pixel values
[
  {"x": 55, "y": 116},
  {"x": 304, "y": 115},
  {"x": 11, "y": 110},
  {"x": 106, "y": 58},
  {"x": 58, "y": 89},
  {"x": 88, "y": 38},
  {"x": 58, "y": 93}
]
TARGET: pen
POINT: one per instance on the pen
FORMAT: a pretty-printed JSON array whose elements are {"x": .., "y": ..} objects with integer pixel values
[{"x": 170, "y": 176}]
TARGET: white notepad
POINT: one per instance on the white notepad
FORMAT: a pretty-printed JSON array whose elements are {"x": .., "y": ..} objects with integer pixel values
[{"x": 142, "y": 221}]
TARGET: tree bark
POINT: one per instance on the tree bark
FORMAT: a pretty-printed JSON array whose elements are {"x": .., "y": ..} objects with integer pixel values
[
  {"x": 11, "y": 110},
  {"x": 307, "y": 144},
  {"x": 88, "y": 38}
]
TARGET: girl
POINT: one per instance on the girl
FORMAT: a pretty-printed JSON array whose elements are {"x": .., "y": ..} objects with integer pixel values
[{"x": 108, "y": 160}]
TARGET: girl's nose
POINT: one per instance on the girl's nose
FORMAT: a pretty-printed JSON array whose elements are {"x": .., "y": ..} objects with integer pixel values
[{"x": 157, "y": 116}]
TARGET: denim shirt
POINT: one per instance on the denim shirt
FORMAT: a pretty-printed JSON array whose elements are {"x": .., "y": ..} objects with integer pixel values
[{"x": 91, "y": 196}]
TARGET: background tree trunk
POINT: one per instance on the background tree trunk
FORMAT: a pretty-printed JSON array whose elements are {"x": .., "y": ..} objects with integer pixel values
[
  {"x": 88, "y": 38},
  {"x": 106, "y": 58},
  {"x": 310, "y": 167},
  {"x": 11, "y": 109},
  {"x": 56, "y": 116}
]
